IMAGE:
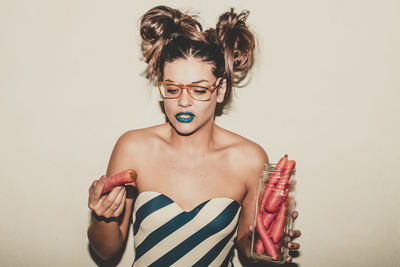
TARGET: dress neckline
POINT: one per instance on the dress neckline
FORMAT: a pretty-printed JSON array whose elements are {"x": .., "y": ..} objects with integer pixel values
[{"x": 187, "y": 211}]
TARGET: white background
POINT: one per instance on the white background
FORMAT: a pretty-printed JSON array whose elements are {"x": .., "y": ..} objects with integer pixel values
[{"x": 324, "y": 90}]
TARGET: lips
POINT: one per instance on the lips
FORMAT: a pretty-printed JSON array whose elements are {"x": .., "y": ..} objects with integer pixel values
[{"x": 184, "y": 117}]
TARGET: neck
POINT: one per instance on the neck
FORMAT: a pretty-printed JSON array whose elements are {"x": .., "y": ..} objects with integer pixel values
[{"x": 196, "y": 143}]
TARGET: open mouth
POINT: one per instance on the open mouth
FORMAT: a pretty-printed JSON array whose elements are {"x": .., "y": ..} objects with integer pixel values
[{"x": 184, "y": 116}]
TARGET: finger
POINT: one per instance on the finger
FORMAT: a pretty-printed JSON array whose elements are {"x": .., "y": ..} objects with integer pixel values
[
  {"x": 112, "y": 196},
  {"x": 110, "y": 204},
  {"x": 289, "y": 259},
  {"x": 96, "y": 189},
  {"x": 293, "y": 245},
  {"x": 100, "y": 185},
  {"x": 94, "y": 196},
  {"x": 121, "y": 205},
  {"x": 295, "y": 214},
  {"x": 121, "y": 195},
  {"x": 91, "y": 189},
  {"x": 93, "y": 185},
  {"x": 251, "y": 228},
  {"x": 294, "y": 233}
]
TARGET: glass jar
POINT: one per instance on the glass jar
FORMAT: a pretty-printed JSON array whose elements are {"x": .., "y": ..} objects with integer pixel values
[{"x": 272, "y": 219}]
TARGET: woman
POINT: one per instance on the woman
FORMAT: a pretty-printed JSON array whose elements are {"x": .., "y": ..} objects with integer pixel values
[{"x": 197, "y": 182}]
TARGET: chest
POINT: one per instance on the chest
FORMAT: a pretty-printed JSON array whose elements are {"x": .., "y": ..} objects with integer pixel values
[{"x": 190, "y": 180}]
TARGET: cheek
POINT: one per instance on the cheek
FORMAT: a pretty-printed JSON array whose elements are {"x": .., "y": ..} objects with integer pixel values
[
  {"x": 168, "y": 106},
  {"x": 168, "y": 110},
  {"x": 208, "y": 109}
]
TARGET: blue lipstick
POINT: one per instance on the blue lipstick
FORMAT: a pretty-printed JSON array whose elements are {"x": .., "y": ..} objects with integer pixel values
[{"x": 184, "y": 117}]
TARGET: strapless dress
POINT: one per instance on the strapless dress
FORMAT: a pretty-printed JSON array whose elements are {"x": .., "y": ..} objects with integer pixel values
[{"x": 166, "y": 235}]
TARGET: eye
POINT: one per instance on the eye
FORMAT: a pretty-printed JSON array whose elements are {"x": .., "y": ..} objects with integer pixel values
[
  {"x": 171, "y": 89},
  {"x": 198, "y": 90}
]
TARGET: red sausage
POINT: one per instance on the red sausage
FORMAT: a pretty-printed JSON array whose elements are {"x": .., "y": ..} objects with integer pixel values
[
  {"x": 267, "y": 219},
  {"x": 127, "y": 176},
  {"x": 265, "y": 238},
  {"x": 272, "y": 181},
  {"x": 277, "y": 196},
  {"x": 277, "y": 227},
  {"x": 259, "y": 247}
]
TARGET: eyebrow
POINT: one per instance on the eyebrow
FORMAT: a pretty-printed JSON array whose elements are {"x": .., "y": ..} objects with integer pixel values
[{"x": 200, "y": 81}]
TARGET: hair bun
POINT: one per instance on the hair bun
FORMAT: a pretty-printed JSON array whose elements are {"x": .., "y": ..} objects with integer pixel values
[
  {"x": 158, "y": 22},
  {"x": 238, "y": 43},
  {"x": 162, "y": 24},
  {"x": 165, "y": 22}
]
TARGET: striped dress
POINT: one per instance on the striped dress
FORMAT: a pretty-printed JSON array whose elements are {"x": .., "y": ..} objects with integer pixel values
[{"x": 166, "y": 235}]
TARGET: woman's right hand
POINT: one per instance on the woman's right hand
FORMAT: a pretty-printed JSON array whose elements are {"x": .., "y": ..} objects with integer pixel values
[{"x": 110, "y": 205}]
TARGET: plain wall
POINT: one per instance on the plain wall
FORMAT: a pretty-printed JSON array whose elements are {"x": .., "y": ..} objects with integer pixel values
[{"x": 324, "y": 90}]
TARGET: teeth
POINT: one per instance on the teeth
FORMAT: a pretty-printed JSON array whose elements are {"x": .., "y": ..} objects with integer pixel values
[{"x": 185, "y": 116}]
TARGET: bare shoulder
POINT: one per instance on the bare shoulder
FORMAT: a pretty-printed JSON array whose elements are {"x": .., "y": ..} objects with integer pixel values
[
  {"x": 131, "y": 146},
  {"x": 244, "y": 155},
  {"x": 141, "y": 138}
]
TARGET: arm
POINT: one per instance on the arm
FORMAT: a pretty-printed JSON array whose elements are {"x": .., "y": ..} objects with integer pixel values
[
  {"x": 254, "y": 169},
  {"x": 111, "y": 213}
]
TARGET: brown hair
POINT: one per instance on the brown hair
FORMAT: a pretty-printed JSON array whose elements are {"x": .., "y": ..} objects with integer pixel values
[{"x": 168, "y": 34}]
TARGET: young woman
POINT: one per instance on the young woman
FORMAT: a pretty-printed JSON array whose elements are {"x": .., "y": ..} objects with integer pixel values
[{"x": 197, "y": 182}]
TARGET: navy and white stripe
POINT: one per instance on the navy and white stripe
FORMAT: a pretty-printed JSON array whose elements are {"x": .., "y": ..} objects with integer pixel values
[{"x": 166, "y": 235}]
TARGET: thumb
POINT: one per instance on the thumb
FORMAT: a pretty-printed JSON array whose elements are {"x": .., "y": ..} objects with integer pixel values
[
  {"x": 251, "y": 228},
  {"x": 100, "y": 186},
  {"x": 103, "y": 178}
]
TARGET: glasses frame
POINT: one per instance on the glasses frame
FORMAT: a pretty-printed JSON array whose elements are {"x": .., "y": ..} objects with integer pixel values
[{"x": 210, "y": 88}]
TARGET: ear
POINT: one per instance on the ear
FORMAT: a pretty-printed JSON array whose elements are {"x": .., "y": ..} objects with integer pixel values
[{"x": 221, "y": 92}]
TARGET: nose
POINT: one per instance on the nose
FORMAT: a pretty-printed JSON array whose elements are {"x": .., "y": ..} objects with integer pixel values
[{"x": 185, "y": 100}]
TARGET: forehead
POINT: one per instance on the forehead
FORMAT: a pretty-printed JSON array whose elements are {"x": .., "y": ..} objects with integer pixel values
[{"x": 188, "y": 70}]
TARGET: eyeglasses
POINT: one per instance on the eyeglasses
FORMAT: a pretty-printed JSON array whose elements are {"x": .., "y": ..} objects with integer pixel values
[{"x": 171, "y": 90}]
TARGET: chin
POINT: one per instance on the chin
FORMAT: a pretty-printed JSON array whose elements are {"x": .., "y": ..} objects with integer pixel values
[{"x": 184, "y": 129}]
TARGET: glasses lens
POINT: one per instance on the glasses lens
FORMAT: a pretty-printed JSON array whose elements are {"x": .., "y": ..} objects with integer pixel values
[
  {"x": 170, "y": 90},
  {"x": 196, "y": 92},
  {"x": 200, "y": 93}
]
